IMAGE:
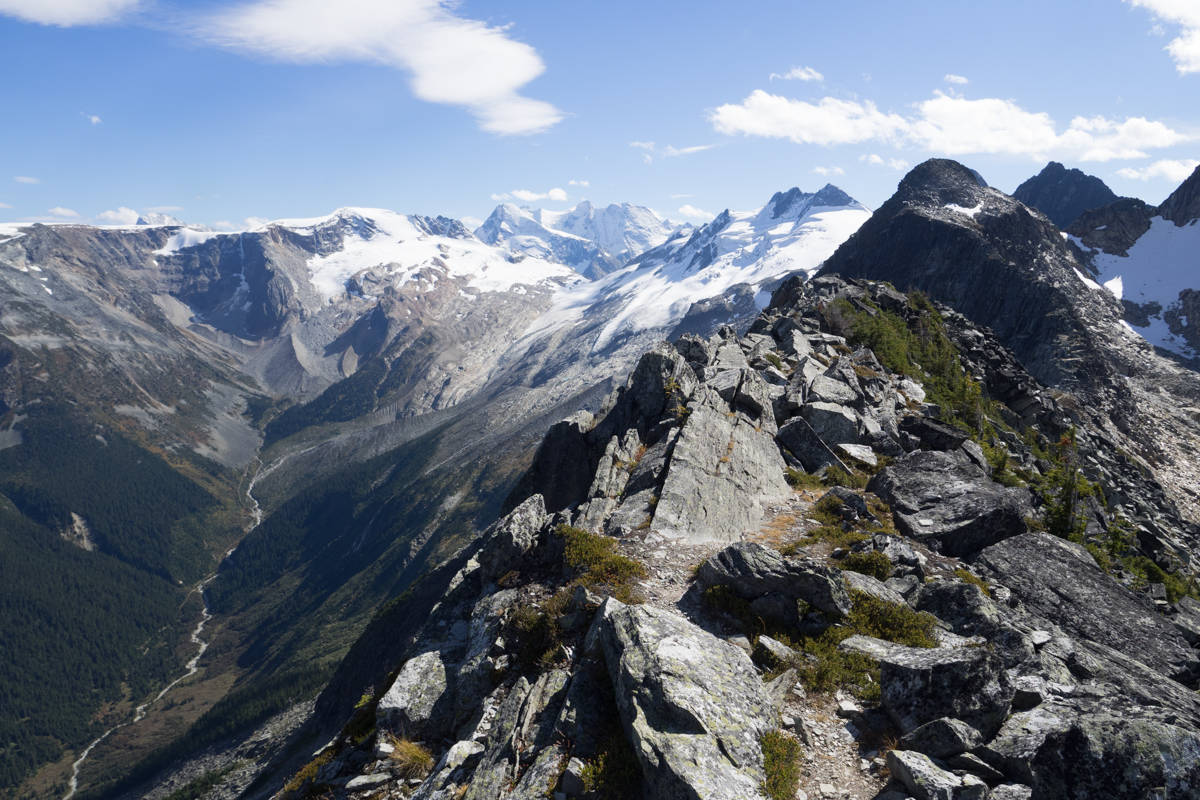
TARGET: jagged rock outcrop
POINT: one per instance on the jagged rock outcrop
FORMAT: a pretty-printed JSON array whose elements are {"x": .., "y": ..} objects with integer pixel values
[{"x": 1036, "y": 660}]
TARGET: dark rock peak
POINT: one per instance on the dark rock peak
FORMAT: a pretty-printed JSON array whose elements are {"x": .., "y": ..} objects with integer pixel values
[
  {"x": 782, "y": 202},
  {"x": 1183, "y": 206},
  {"x": 1115, "y": 227},
  {"x": 442, "y": 226},
  {"x": 1063, "y": 194},
  {"x": 786, "y": 203},
  {"x": 939, "y": 181}
]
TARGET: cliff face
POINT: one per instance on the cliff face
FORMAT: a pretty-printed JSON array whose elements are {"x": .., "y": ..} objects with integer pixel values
[{"x": 661, "y": 615}]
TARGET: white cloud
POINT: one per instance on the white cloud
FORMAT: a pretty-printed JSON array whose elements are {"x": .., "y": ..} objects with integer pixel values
[
  {"x": 672, "y": 152},
  {"x": 650, "y": 150},
  {"x": 5, "y": 205},
  {"x": 946, "y": 124},
  {"x": 119, "y": 216},
  {"x": 798, "y": 74},
  {"x": 828, "y": 171},
  {"x": 92, "y": 118},
  {"x": 584, "y": 184},
  {"x": 876, "y": 160},
  {"x": 66, "y": 13},
  {"x": 830, "y": 121},
  {"x": 471, "y": 223},
  {"x": 1175, "y": 171},
  {"x": 26, "y": 179},
  {"x": 691, "y": 212},
  {"x": 254, "y": 222},
  {"x": 59, "y": 211},
  {"x": 450, "y": 59},
  {"x": 1185, "y": 48},
  {"x": 958, "y": 80},
  {"x": 556, "y": 195},
  {"x": 222, "y": 225}
]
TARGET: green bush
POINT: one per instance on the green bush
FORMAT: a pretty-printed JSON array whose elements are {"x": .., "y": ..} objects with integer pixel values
[
  {"x": 613, "y": 774},
  {"x": 870, "y": 562},
  {"x": 781, "y": 762},
  {"x": 597, "y": 564},
  {"x": 799, "y": 479},
  {"x": 836, "y": 476},
  {"x": 972, "y": 578}
]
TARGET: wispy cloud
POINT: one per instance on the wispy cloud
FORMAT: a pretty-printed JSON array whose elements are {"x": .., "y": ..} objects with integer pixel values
[
  {"x": 26, "y": 179},
  {"x": 91, "y": 118},
  {"x": 876, "y": 160},
  {"x": 650, "y": 150},
  {"x": 681, "y": 196},
  {"x": 1175, "y": 171},
  {"x": 797, "y": 74},
  {"x": 689, "y": 211},
  {"x": 66, "y": 13},
  {"x": 958, "y": 80},
  {"x": 672, "y": 152},
  {"x": 59, "y": 211},
  {"x": 583, "y": 184},
  {"x": 5, "y": 205},
  {"x": 945, "y": 124},
  {"x": 119, "y": 216},
  {"x": 556, "y": 195},
  {"x": 450, "y": 59},
  {"x": 1185, "y": 48},
  {"x": 829, "y": 171}
]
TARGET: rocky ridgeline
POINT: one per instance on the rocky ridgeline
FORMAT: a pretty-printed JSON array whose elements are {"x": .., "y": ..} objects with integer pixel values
[{"x": 990, "y": 657}]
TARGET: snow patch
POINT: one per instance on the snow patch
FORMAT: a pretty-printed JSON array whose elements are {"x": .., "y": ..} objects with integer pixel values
[
  {"x": 1160, "y": 265},
  {"x": 188, "y": 237},
  {"x": 970, "y": 212}
]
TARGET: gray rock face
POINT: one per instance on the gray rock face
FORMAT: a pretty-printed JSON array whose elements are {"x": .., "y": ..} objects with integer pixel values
[
  {"x": 692, "y": 705},
  {"x": 950, "y": 503},
  {"x": 1059, "y": 581},
  {"x": 833, "y": 422},
  {"x": 508, "y": 541},
  {"x": 752, "y": 571},
  {"x": 942, "y": 738},
  {"x": 799, "y": 438},
  {"x": 418, "y": 704},
  {"x": 920, "y": 685},
  {"x": 1074, "y": 749},
  {"x": 927, "y": 781},
  {"x": 723, "y": 472}
]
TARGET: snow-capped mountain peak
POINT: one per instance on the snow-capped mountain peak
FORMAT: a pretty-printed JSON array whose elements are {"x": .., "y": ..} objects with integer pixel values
[{"x": 594, "y": 241}]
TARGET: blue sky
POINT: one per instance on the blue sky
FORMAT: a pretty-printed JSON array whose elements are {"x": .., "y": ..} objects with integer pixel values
[{"x": 221, "y": 111}]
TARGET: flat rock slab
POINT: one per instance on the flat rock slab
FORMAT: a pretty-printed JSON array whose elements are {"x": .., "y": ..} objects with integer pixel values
[
  {"x": 693, "y": 706},
  {"x": 1060, "y": 581}
]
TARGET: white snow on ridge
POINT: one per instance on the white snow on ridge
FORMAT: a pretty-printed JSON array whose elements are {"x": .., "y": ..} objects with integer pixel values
[
  {"x": 188, "y": 237},
  {"x": 394, "y": 243},
  {"x": 970, "y": 212},
  {"x": 751, "y": 248}
]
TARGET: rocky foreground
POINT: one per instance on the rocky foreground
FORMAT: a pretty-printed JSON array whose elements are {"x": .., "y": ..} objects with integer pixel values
[{"x": 857, "y": 552}]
